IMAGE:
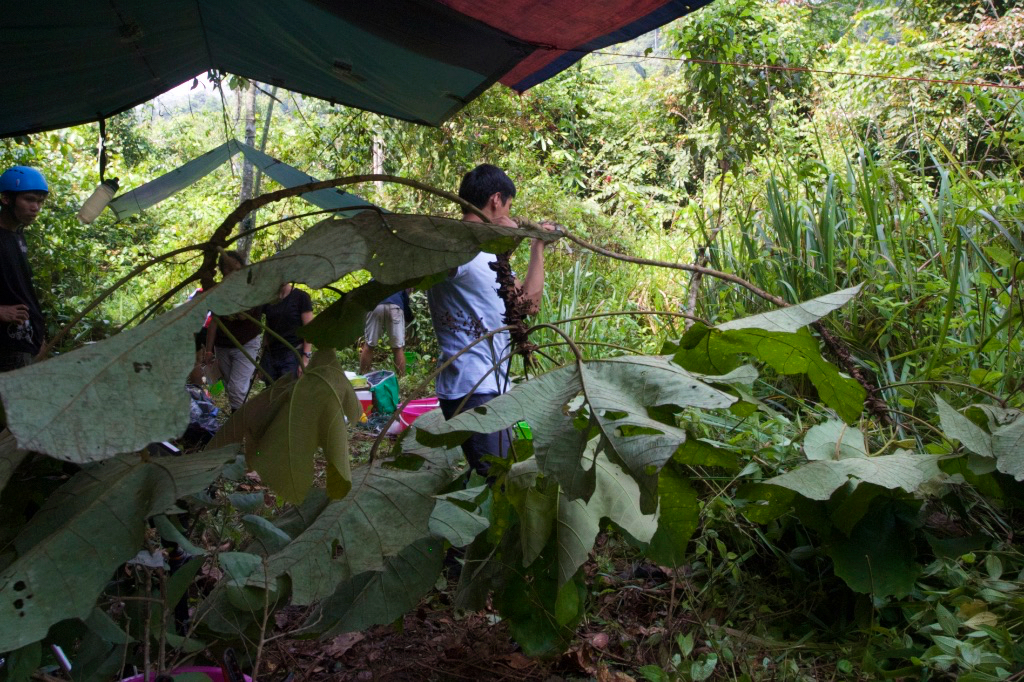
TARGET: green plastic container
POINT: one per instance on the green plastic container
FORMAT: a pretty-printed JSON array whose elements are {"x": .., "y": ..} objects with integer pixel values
[{"x": 522, "y": 431}]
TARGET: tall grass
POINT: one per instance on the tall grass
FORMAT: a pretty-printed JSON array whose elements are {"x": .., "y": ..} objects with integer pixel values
[{"x": 939, "y": 306}]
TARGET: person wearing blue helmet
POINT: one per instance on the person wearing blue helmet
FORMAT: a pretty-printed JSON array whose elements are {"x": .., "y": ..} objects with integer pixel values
[{"x": 23, "y": 191}]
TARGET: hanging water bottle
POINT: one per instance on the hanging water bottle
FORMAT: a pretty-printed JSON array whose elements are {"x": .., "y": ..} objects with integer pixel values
[{"x": 95, "y": 204}]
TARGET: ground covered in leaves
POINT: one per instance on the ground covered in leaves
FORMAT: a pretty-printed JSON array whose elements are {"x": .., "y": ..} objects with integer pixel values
[
  {"x": 433, "y": 642},
  {"x": 628, "y": 633},
  {"x": 627, "y": 630}
]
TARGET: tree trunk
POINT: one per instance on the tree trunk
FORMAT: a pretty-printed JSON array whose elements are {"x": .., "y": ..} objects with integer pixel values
[
  {"x": 377, "y": 158},
  {"x": 263, "y": 140},
  {"x": 245, "y": 243}
]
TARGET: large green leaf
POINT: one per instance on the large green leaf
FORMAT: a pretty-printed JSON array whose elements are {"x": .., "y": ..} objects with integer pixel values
[
  {"x": 615, "y": 498},
  {"x": 385, "y": 511},
  {"x": 535, "y": 574},
  {"x": 777, "y": 338},
  {"x": 762, "y": 503},
  {"x": 343, "y": 322},
  {"x": 818, "y": 480},
  {"x": 618, "y": 393},
  {"x": 542, "y": 610},
  {"x": 1008, "y": 445},
  {"x": 678, "y": 516},
  {"x": 250, "y": 422},
  {"x": 958, "y": 427},
  {"x": 454, "y": 520},
  {"x": 697, "y": 452},
  {"x": 794, "y": 317},
  {"x": 542, "y": 508},
  {"x": 379, "y": 597},
  {"x": 535, "y": 499},
  {"x": 124, "y": 392},
  {"x": 621, "y": 390},
  {"x": 313, "y": 419},
  {"x": 878, "y": 557},
  {"x": 20, "y": 664},
  {"x": 354, "y": 552},
  {"x": 847, "y": 510},
  {"x": 546, "y": 403},
  {"x": 10, "y": 456},
  {"x": 249, "y": 587},
  {"x": 110, "y": 397},
  {"x": 834, "y": 440},
  {"x": 267, "y": 537},
  {"x": 711, "y": 350},
  {"x": 84, "y": 531}
]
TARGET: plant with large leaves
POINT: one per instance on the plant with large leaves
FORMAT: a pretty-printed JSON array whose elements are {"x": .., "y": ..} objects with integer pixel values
[
  {"x": 93, "y": 523},
  {"x": 608, "y": 447},
  {"x": 122, "y": 393},
  {"x": 119, "y": 394},
  {"x": 865, "y": 507}
]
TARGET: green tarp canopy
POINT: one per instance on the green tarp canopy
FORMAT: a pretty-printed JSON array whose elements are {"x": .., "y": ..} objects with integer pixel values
[{"x": 73, "y": 61}]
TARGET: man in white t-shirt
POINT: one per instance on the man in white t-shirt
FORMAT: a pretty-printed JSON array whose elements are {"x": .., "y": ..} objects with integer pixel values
[{"x": 466, "y": 306}]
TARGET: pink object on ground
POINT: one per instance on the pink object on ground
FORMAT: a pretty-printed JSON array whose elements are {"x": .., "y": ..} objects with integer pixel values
[
  {"x": 415, "y": 409},
  {"x": 215, "y": 674}
]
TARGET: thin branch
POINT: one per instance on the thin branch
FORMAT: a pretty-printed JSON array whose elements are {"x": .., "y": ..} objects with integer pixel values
[
  {"x": 589, "y": 343},
  {"x": 222, "y": 329},
  {"x": 277, "y": 336},
  {"x": 710, "y": 272},
  {"x": 110, "y": 290},
  {"x": 146, "y": 313},
  {"x": 223, "y": 231},
  {"x": 364, "y": 207},
  {"x": 976, "y": 389},
  {"x": 632, "y": 312},
  {"x": 423, "y": 384}
]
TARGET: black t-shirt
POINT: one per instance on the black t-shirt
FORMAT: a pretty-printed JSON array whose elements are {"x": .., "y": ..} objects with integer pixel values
[
  {"x": 16, "y": 287},
  {"x": 285, "y": 318},
  {"x": 242, "y": 328}
]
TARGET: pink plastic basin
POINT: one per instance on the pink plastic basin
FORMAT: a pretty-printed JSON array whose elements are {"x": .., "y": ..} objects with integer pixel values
[
  {"x": 215, "y": 674},
  {"x": 416, "y": 409}
]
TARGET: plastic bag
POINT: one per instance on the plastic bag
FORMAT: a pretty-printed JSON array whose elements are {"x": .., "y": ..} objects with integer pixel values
[{"x": 384, "y": 387}]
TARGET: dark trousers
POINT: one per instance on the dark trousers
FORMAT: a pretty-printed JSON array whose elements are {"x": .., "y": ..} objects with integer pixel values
[
  {"x": 279, "y": 362},
  {"x": 11, "y": 359},
  {"x": 479, "y": 444}
]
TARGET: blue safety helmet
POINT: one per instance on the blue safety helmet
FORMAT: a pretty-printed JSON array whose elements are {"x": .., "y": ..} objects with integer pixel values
[{"x": 23, "y": 179}]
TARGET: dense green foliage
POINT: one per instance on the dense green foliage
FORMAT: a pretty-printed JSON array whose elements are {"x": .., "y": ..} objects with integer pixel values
[{"x": 786, "y": 510}]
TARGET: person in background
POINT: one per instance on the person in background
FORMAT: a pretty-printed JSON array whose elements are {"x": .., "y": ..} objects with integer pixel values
[
  {"x": 466, "y": 306},
  {"x": 388, "y": 315},
  {"x": 235, "y": 365},
  {"x": 23, "y": 191},
  {"x": 293, "y": 309}
]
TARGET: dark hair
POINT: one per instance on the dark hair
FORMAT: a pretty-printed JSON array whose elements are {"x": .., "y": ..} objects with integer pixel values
[
  {"x": 233, "y": 255},
  {"x": 479, "y": 184}
]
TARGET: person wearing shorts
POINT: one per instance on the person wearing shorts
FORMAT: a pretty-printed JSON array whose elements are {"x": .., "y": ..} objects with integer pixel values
[{"x": 388, "y": 316}]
